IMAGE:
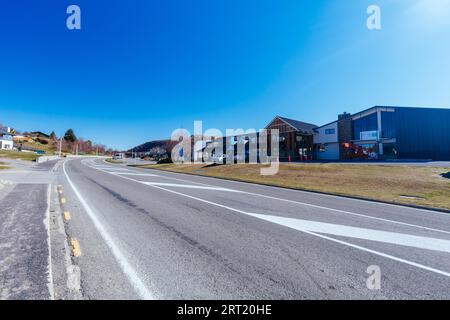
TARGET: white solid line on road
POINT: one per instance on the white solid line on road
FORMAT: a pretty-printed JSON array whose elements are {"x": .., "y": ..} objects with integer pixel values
[
  {"x": 345, "y": 212},
  {"x": 317, "y": 206},
  {"x": 127, "y": 269},
  {"x": 137, "y": 174},
  {"x": 421, "y": 266},
  {"x": 303, "y": 191},
  {"x": 331, "y": 209},
  {"x": 188, "y": 186},
  {"x": 388, "y": 256},
  {"x": 360, "y": 233},
  {"x": 50, "y": 284},
  {"x": 159, "y": 176}
]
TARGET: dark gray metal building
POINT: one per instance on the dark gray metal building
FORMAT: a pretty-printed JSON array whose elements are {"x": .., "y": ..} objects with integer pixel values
[
  {"x": 387, "y": 132},
  {"x": 423, "y": 133}
]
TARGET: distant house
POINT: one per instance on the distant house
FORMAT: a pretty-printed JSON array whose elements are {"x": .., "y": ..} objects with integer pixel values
[
  {"x": 38, "y": 134},
  {"x": 326, "y": 141},
  {"x": 296, "y": 138},
  {"x": 6, "y": 139}
]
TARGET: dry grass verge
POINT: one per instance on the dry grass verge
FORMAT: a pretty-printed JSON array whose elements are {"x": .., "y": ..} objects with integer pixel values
[{"x": 29, "y": 156}]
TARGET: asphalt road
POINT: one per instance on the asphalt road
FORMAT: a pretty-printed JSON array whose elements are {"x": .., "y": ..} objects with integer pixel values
[
  {"x": 25, "y": 263},
  {"x": 147, "y": 234}
]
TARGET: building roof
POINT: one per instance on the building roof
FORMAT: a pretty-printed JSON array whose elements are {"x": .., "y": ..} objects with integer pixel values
[
  {"x": 298, "y": 125},
  {"x": 327, "y": 124},
  {"x": 39, "y": 133}
]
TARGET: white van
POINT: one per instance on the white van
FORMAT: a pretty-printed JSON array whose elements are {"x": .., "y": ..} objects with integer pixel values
[{"x": 118, "y": 156}]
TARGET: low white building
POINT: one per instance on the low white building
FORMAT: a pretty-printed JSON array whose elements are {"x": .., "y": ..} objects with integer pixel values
[
  {"x": 6, "y": 140},
  {"x": 327, "y": 141}
]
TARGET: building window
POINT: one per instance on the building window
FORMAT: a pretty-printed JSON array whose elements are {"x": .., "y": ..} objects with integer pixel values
[{"x": 330, "y": 131}]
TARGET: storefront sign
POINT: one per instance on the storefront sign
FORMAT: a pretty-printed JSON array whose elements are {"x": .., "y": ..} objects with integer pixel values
[{"x": 369, "y": 135}]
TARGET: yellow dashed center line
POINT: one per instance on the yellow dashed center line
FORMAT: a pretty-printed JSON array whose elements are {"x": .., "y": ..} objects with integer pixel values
[
  {"x": 63, "y": 200},
  {"x": 67, "y": 216},
  {"x": 76, "y": 249}
]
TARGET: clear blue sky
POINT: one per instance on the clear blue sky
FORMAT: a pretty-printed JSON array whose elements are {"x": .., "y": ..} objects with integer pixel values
[{"x": 139, "y": 69}]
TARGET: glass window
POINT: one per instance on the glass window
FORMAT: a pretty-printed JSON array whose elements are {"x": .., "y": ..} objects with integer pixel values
[{"x": 330, "y": 131}]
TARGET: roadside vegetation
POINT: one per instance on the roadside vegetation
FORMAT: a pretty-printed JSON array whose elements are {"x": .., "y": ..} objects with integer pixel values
[
  {"x": 424, "y": 186},
  {"x": 29, "y": 156},
  {"x": 32, "y": 145},
  {"x": 113, "y": 161},
  {"x": 3, "y": 165}
]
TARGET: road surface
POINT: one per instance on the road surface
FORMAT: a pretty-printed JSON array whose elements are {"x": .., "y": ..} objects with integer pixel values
[
  {"x": 147, "y": 234},
  {"x": 25, "y": 263}
]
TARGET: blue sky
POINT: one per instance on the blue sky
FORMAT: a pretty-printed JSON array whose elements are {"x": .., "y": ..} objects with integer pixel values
[{"x": 139, "y": 69}]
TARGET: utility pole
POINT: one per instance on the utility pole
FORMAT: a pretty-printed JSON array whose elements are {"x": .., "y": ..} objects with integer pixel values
[
  {"x": 76, "y": 148},
  {"x": 60, "y": 146}
]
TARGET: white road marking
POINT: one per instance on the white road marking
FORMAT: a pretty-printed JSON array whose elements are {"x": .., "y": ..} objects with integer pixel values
[
  {"x": 330, "y": 209},
  {"x": 418, "y": 265},
  {"x": 307, "y": 192},
  {"x": 127, "y": 269},
  {"x": 160, "y": 176},
  {"x": 360, "y": 233},
  {"x": 189, "y": 186},
  {"x": 322, "y": 207},
  {"x": 346, "y": 212},
  {"x": 388, "y": 256},
  {"x": 137, "y": 174},
  {"x": 50, "y": 284}
]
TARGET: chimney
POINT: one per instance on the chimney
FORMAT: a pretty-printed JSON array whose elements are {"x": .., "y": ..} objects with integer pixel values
[
  {"x": 345, "y": 131},
  {"x": 344, "y": 115}
]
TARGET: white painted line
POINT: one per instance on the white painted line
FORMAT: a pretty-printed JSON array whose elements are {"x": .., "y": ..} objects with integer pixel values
[
  {"x": 127, "y": 269},
  {"x": 391, "y": 257},
  {"x": 325, "y": 208},
  {"x": 306, "y": 192},
  {"x": 346, "y": 212},
  {"x": 360, "y": 233},
  {"x": 132, "y": 172},
  {"x": 418, "y": 265},
  {"x": 188, "y": 186},
  {"x": 50, "y": 284},
  {"x": 137, "y": 174}
]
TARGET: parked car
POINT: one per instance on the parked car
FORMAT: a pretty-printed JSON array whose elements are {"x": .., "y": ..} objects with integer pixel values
[{"x": 219, "y": 158}]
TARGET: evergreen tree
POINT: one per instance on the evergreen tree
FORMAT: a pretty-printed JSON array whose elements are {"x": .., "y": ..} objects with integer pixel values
[
  {"x": 69, "y": 136},
  {"x": 53, "y": 136}
]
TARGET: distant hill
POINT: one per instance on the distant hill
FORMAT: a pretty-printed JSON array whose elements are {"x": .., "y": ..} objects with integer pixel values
[{"x": 146, "y": 147}]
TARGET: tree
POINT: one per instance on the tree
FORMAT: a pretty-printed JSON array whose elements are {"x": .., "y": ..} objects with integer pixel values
[
  {"x": 70, "y": 136},
  {"x": 53, "y": 136}
]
